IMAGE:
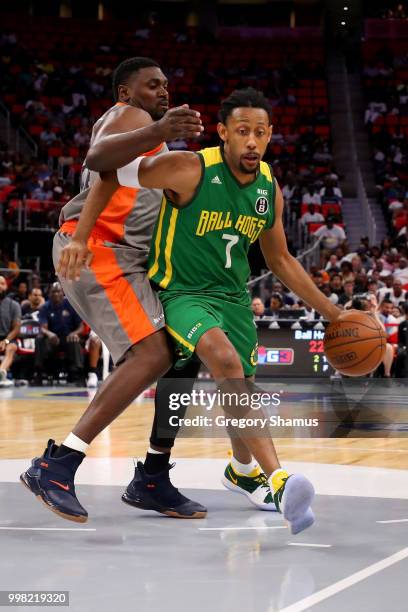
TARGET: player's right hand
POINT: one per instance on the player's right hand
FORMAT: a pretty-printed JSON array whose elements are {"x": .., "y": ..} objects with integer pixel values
[
  {"x": 181, "y": 122},
  {"x": 73, "y": 258}
]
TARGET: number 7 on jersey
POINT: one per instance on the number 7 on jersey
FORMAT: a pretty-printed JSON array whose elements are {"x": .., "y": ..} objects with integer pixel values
[{"x": 231, "y": 240}]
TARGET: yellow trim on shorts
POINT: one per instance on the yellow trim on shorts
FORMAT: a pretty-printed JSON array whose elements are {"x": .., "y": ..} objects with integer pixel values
[
  {"x": 180, "y": 339},
  {"x": 154, "y": 268},
  {"x": 168, "y": 249}
]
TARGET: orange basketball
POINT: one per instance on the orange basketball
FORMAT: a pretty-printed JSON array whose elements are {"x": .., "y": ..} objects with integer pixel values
[{"x": 355, "y": 343}]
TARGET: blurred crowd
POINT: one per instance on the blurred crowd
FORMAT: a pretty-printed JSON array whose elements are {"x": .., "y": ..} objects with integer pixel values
[
  {"x": 373, "y": 278},
  {"x": 386, "y": 117},
  {"x": 42, "y": 339}
]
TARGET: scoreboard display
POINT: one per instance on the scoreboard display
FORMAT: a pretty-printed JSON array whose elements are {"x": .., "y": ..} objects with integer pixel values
[{"x": 287, "y": 352}]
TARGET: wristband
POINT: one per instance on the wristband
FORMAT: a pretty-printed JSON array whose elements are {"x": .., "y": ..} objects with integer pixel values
[{"x": 128, "y": 176}]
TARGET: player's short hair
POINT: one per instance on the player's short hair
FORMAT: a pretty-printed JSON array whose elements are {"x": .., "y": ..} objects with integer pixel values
[
  {"x": 128, "y": 67},
  {"x": 243, "y": 98}
]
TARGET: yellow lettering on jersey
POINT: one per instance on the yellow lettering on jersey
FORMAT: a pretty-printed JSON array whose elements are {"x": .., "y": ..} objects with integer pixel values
[
  {"x": 259, "y": 227},
  {"x": 202, "y": 224},
  {"x": 210, "y": 221},
  {"x": 250, "y": 226},
  {"x": 213, "y": 221},
  {"x": 220, "y": 222},
  {"x": 240, "y": 222}
]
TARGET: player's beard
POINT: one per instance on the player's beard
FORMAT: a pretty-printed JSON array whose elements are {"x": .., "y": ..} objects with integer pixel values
[
  {"x": 2, "y": 295},
  {"x": 158, "y": 112},
  {"x": 247, "y": 170}
]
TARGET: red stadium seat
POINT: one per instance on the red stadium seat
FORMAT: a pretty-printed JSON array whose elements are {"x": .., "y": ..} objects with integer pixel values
[
  {"x": 328, "y": 209},
  {"x": 54, "y": 151},
  {"x": 322, "y": 130},
  {"x": 312, "y": 227},
  {"x": 35, "y": 130},
  {"x": 17, "y": 109}
]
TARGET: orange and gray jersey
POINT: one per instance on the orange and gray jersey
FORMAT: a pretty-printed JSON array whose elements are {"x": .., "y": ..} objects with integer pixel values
[{"x": 130, "y": 215}]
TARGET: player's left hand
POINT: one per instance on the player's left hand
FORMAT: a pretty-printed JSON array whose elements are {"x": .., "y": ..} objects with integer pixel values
[{"x": 75, "y": 256}]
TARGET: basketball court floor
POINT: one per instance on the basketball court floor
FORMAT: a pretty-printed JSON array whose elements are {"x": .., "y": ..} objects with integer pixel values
[{"x": 237, "y": 559}]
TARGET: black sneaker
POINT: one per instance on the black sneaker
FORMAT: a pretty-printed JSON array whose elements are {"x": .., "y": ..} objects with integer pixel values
[
  {"x": 157, "y": 493},
  {"x": 52, "y": 481}
]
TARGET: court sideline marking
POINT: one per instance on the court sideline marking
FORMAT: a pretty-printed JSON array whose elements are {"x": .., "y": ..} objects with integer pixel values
[
  {"x": 45, "y": 529},
  {"x": 241, "y": 528},
  {"x": 345, "y": 583}
]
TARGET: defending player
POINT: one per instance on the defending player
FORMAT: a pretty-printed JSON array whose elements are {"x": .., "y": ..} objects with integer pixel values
[
  {"x": 216, "y": 204},
  {"x": 113, "y": 294}
]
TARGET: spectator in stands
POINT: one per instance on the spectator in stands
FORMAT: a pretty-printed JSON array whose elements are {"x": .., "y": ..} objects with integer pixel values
[
  {"x": 289, "y": 187},
  {"x": 326, "y": 289},
  {"x": 396, "y": 295},
  {"x": 258, "y": 307},
  {"x": 389, "y": 351},
  {"x": 81, "y": 137},
  {"x": 311, "y": 216},
  {"x": 346, "y": 270},
  {"x": 94, "y": 348},
  {"x": 275, "y": 305},
  {"x": 331, "y": 193},
  {"x": 360, "y": 282},
  {"x": 65, "y": 161},
  {"x": 332, "y": 235},
  {"x": 10, "y": 321},
  {"x": 312, "y": 196},
  {"x": 402, "y": 354},
  {"x": 372, "y": 286},
  {"x": 336, "y": 284},
  {"x": 333, "y": 264},
  {"x": 47, "y": 137},
  {"x": 387, "y": 280},
  {"x": 30, "y": 308},
  {"x": 60, "y": 332},
  {"x": 401, "y": 272},
  {"x": 387, "y": 318},
  {"x": 21, "y": 294},
  {"x": 277, "y": 288},
  {"x": 347, "y": 294}
]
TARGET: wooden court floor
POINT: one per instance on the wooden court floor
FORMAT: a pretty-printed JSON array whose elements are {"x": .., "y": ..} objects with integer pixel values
[{"x": 26, "y": 424}]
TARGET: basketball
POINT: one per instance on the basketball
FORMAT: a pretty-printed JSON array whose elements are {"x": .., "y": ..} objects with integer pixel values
[{"x": 355, "y": 343}]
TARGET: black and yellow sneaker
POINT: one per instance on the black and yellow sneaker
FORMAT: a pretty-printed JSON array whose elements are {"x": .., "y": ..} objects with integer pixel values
[{"x": 254, "y": 485}]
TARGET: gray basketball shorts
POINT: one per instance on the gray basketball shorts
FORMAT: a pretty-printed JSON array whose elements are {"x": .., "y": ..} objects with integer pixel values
[{"x": 113, "y": 296}]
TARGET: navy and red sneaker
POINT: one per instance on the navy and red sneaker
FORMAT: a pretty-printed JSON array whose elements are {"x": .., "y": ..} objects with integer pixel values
[
  {"x": 51, "y": 479},
  {"x": 156, "y": 492}
]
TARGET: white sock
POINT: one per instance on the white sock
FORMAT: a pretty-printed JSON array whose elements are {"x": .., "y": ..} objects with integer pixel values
[
  {"x": 72, "y": 441},
  {"x": 243, "y": 468},
  {"x": 152, "y": 451}
]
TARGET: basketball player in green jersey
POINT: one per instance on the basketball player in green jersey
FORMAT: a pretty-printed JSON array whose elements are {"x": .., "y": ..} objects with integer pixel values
[{"x": 217, "y": 203}]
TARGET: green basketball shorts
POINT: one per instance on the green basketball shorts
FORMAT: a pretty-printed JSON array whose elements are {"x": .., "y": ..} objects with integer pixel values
[{"x": 189, "y": 316}]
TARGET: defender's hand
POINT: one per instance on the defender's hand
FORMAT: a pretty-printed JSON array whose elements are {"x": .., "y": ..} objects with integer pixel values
[
  {"x": 73, "y": 258},
  {"x": 181, "y": 122}
]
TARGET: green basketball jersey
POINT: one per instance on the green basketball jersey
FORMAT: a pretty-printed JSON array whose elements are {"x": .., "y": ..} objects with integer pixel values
[{"x": 203, "y": 248}]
